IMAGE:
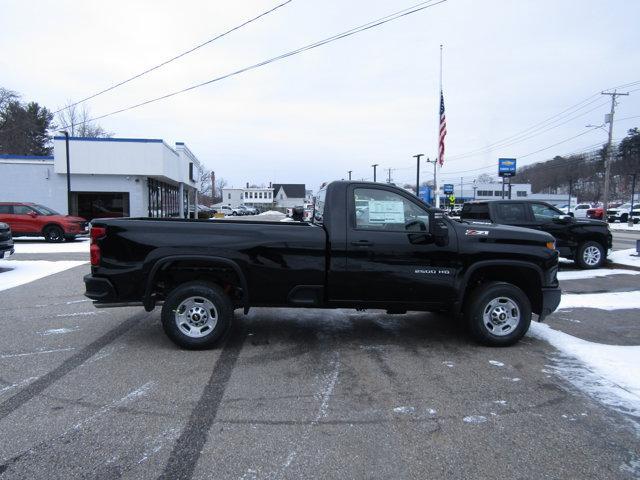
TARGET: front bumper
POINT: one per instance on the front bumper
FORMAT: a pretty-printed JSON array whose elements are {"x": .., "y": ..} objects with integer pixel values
[
  {"x": 550, "y": 301},
  {"x": 99, "y": 289}
]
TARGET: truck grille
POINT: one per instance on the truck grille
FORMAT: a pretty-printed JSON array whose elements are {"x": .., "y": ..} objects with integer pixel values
[{"x": 5, "y": 235}]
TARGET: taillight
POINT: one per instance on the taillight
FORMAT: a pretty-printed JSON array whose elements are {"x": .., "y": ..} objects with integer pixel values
[{"x": 94, "y": 250}]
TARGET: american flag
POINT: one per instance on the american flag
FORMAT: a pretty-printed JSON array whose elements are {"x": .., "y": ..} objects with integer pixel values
[{"x": 443, "y": 130}]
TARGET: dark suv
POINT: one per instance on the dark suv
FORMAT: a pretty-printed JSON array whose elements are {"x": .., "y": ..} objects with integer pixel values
[
  {"x": 31, "y": 219},
  {"x": 6, "y": 241},
  {"x": 584, "y": 240}
]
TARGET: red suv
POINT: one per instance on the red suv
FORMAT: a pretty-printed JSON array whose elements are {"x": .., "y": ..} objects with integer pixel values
[{"x": 31, "y": 219}]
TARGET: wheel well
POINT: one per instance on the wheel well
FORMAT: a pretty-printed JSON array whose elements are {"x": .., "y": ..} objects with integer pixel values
[
  {"x": 49, "y": 225},
  {"x": 177, "y": 272},
  {"x": 527, "y": 279},
  {"x": 594, "y": 237}
]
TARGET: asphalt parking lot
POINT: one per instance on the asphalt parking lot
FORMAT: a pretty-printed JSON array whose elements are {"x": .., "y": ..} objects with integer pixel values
[{"x": 87, "y": 393}]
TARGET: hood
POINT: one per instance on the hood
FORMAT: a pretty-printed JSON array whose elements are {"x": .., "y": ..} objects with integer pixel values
[
  {"x": 495, "y": 231},
  {"x": 588, "y": 221}
]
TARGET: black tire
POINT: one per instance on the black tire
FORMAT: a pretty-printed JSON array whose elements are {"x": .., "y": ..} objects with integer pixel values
[
  {"x": 70, "y": 238},
  {"x": 480, "y": 303},
  {"x": 586, "y": 261},
  {"x": 53, "y": 234},
  {"x": 624, "y": 218},
  {"x": 202, "y": 291},
  {"x": 234, "y": 213}
]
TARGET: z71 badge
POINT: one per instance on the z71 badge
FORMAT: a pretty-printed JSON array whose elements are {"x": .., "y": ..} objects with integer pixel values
[{"x": 472, "y": 232}]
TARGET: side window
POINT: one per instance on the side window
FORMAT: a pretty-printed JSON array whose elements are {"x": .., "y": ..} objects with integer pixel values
[
  {"x": 377, "y": 209},
  {"x": 475, "y": 211},
  {"x": 5, "y": 209},
  {"x": 21, "y": 210},
  {"x": 512, "y": 212},
  {"x": 544, "y": 213}
]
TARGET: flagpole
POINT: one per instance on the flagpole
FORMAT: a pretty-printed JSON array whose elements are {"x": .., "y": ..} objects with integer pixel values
[{"x": 435, "y": 176}]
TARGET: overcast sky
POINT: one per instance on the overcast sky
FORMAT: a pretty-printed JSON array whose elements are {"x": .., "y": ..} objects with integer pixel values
[{"x": 370, "y": 98}]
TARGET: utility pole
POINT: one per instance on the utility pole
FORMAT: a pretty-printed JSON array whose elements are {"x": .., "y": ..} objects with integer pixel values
[
  {"x": 461, "y": 187},
  {"x": 375, "y": 165},
  {"x": 418, "y": 157},
  {"x": 570, "y": 188},
  {"x": 609, "y": 155},
  {"x": 435, "y": 185},
  {"x": 66, "y": 142},
  {"x": 349, "y": 174},
  {"x": 389, "y": 175}
]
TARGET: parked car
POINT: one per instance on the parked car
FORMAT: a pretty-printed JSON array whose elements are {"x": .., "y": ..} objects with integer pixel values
[
  {"x": 247, "y": 210},
  {"x": 583, "y": 240},
  {"x": 370, "y": 245},
  {"x": 227, "y": 210},
  {"x": 622, "y": 213},
  {"x": 31, "y": 219},
  {"x": 580, "y": 210},
  {"x": 596, "y": 213},
  {"x": 6, "y": 240}
]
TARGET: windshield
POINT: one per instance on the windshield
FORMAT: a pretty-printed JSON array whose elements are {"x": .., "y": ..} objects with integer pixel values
[{"x": 44, "y": 210}]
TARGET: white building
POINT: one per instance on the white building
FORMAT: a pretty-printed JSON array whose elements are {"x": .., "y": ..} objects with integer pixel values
[
  {"x": 110, "y": 177},
  {"x": 251, "y": 196},
  {"x": 289, "y": 194}
]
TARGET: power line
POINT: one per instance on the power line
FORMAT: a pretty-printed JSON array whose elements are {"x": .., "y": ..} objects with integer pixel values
[
  {"x": 375, "y": 23},
  {"x": 180, "y": 55}
]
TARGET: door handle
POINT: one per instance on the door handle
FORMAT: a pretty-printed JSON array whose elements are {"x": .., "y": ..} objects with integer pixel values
[{"x": 362, "y": 243}]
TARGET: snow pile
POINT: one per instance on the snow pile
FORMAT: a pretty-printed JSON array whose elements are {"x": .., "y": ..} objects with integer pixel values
[
  {"x": 625, "y": 257},
  {"x": 271, "y": 212},
  {"x": 79, "y": 246},
  {"x": 602, "y": 301},
  {"x": 25, "y": 271},
  {"x": 624, "y": 226},
  {"x": 600, "y": 272},
  {"x": 617, "y": 366}
]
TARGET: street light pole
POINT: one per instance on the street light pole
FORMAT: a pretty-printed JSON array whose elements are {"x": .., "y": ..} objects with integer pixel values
[
  {"x": 418, "y": 157},
  {"x": 66, "y": 141},
  {"x": 375, "y": 165},
  {"x": 349, "y": 174}
]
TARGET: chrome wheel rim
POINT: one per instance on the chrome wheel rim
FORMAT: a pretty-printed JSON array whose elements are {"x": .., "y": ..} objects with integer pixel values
[
  {"x": 501, "y": 316},
  {"x": 196, "y": 317},
  {"x": 591, "y": 255}
]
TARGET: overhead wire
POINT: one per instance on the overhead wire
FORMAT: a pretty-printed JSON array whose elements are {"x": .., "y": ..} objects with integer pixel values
[
  {"x": 353, "y": 31},
  {"x": 174, "y": 58}
]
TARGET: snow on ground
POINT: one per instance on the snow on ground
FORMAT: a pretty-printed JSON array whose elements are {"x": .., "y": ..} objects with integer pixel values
[
  {"x": 625, "y": 257},
  {"x": 625, "y": 226},
  {"x": 271, "y": 212},
  {"x": 600, "y": 272},
  {"x": 23, "y": 246},
  {"x": 18, "y": 272},
  {"x": 612, "y": 372},
  {"x": 602, "y": 301}
]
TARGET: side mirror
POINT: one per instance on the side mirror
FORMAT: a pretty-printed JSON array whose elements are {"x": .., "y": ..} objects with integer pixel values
[
  {"x": 563, "y": 218},
  {"x": 297, "y": 214},
  {"x": 439, "y": 229},
  {"x": 32, "y": 214}
]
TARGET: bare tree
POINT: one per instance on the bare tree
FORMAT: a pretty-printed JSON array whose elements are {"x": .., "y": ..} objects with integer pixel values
[
  {"x": 485, "y": 178},
  {"x": 77, "y": 121}
]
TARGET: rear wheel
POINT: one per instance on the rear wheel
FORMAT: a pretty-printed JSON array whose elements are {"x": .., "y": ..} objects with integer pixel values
[
  {"x": 196, "y": 315},
  {"x": 53, "y": 234},
  {"x": 624, "y": 218},
  {"x": 498, "y": 314},
  {"x": 590, "y": 255}
]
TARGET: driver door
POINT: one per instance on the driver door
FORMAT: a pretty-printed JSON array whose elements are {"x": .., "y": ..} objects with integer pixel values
[
  {"x": 546, "y": 218},
  {"x": 24, "y": 219},
  {"x": 391, "y": 256}
]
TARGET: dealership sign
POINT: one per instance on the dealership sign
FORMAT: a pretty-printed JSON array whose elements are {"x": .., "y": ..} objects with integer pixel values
[
  {"x": 506, "y": 167},
  {"x": 447, "y": 188}
]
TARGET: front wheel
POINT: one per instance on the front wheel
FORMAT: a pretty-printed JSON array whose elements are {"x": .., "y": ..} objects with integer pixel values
[
  {"x": 53, "y": 234},
  {"x": 498, "y": 314},
  {"x": 196, "y": 315},
  {"x": 624, "y": 218},
  {"x": 590, "y": 255}
]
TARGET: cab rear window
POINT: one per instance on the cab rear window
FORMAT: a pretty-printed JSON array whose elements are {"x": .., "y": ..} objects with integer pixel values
[{"x": 475, "y": 211}]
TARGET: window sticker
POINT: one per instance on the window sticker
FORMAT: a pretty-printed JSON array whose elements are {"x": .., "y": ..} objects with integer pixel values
[{"x": 384, "y": 211}]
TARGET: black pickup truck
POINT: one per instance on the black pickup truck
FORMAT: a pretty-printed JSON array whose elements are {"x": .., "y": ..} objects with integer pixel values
[
  {"x": 368, "y": 246},
  {"x": 584, "y": 240}
]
